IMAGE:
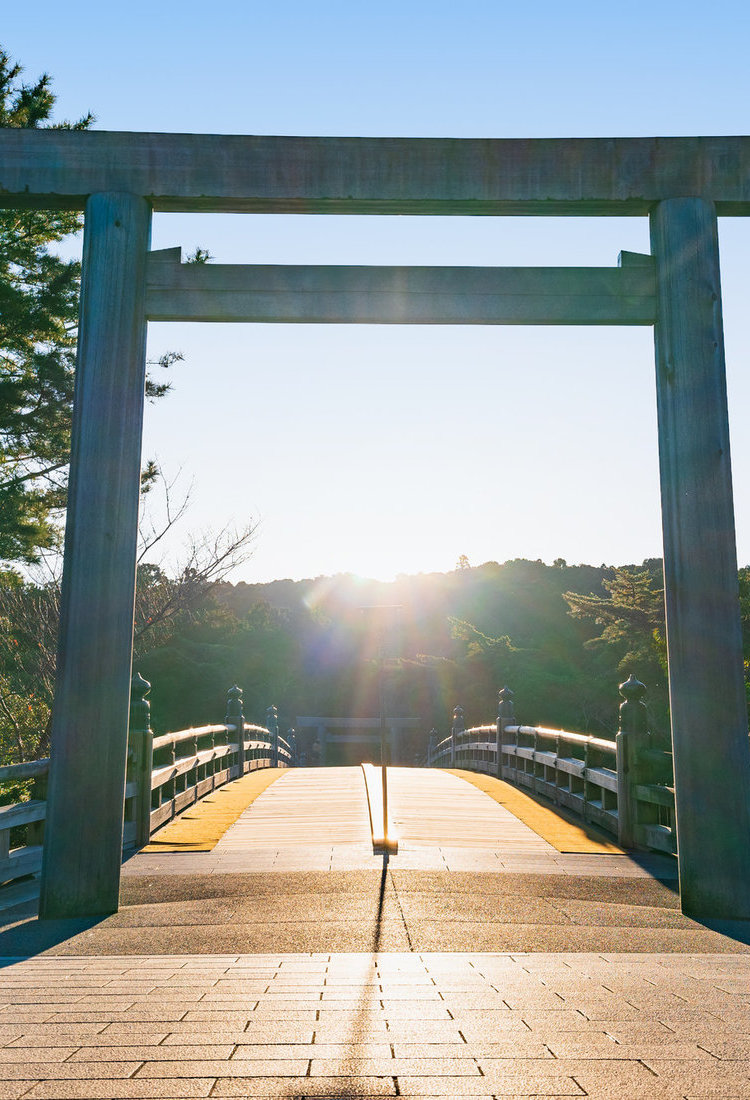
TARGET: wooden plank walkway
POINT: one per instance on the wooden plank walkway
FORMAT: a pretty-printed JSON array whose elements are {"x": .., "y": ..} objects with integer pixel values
[
  {"x": 328, "y": 806},
  {"x": 439, "y": 809},
  {"x": 306, "y": 806}
]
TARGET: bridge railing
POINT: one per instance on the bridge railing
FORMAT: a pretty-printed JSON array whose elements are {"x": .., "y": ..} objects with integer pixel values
[
  {"x": 22, "y": 822},
  {"x": 165, "y": 774},
  {"x": 623, "y": 786}
]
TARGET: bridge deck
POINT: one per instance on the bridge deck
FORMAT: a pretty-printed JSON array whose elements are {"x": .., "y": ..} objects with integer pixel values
[
  {"x": 317, "y": 819},
  {"x": 517, "y": 972}
]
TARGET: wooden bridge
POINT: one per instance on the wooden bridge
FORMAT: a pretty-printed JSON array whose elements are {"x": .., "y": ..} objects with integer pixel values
[{"x": 622, "y": 788}]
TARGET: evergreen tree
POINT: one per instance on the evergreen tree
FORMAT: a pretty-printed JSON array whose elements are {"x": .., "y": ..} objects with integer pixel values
[
  {"x": 38, "y": 320},
  {"x": 631, "y": 616},
  {"x": 633, "y": 628}
]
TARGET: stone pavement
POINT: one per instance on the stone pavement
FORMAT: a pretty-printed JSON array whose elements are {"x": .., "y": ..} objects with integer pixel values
[
  {"x": 380, "y": 1024},
  {"x": 317, "y": 969}
]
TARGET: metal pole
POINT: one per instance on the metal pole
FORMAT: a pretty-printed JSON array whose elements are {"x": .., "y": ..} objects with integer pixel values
[{"x": 383, "y": 738}]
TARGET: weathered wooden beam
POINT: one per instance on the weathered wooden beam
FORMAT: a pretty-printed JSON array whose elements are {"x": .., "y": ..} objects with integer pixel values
[
  {"x": 588, "y": 176},
  {"x": 401, "y": 295},
  {"x": 83, "y": 839},
  {"x": 707, "y": 694}
]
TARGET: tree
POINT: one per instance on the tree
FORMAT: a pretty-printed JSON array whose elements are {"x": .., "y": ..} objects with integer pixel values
[
  {"x": 38, "y": 319},
  {"x": 633, "y": 628},
  {"x": 631, "y": 615},
  {"x": 39, "y": 294},
  {"x": 165, "y": 608}
]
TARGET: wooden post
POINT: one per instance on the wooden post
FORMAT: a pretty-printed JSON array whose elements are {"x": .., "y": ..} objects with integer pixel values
[
  {"x": 707, "y": 697},
  {"x": 235, "y": 717},
  {"x": 272, "y": 724},
  {"x": 505, "y": 717},
  {"x": 632, "y": 739},
  {"x": 456, "y": 729},
  {"x": 142, "y": 747},
  {"x": 82, "y": 851}
]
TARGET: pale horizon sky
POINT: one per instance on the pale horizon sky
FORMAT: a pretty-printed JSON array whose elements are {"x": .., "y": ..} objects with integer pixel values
[{"x": 395, "y": 449}]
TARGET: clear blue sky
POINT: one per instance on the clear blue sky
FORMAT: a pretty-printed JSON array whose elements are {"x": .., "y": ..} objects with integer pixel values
[{"x": 384, "y": 449}]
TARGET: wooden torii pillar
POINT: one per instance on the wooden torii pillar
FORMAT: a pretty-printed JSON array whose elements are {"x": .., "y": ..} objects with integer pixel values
[
  {"x": 83, "y": 838},
  {"x": 704, "y": 640},
  {"x": 680, "y": 183}
]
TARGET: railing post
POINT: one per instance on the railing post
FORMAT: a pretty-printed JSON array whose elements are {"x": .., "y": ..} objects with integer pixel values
[
  {"x": 432, "y": 738},
  {"x": 632, "y": 738},
  {"x": 505, "y": 717},
  {"x": 235, "y": 717},
  {"x": 141, "y": 746},
  {"x": 456, "y": 731},
  {"x": 35, "y": 830},
  {"x": 272, "y": 724}
]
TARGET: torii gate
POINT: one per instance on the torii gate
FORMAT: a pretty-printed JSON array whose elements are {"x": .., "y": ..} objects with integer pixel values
[{"x": 681, "y": 184}]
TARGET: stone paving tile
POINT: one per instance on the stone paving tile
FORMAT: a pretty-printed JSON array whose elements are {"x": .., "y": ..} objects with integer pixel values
[
  {"x": 40, "y": 1070},
  {"x": 9, "y": 1032},
  {"x": 412, "y": 1067},
  {"x": 136, "y": 1015},
  {"x": 150, "y": 1053},
  {"x": 354, "y": 1030},
  {"x": 518, "y": 1047},
  {"x": 297, "y": 1067},
  {"x": 594, "y": 1046},
  {"x": 689, "y": 1075},
  {"x": 22, "y": 1054},
  {"x": 328, "y": 1087},
  {"x": 520, "y": 1083},
  {"x": 12, "y": 1090},
  {"x": 193, "y": 1034},
  {"x": 55, "y": 1034},
  {"x": 640, "y": 1031},
  {"x": 117, "y": 1090},
  {"x": 366, "y": 1050}
]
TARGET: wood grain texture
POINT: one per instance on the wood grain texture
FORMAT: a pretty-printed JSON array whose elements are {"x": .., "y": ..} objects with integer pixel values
[
  {"x": 90, "y": 720},
  {"x": 401, "y": 295},
  {"x": 709, "y": 710},
  {"x": 374, "y": 175}
]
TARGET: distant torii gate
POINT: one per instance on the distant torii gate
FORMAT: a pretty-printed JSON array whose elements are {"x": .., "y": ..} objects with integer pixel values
[{"x": 681, "y": 184}]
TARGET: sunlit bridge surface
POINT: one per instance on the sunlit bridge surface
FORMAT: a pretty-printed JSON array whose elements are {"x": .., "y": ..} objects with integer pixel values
[{"x": 318, "y": 819}]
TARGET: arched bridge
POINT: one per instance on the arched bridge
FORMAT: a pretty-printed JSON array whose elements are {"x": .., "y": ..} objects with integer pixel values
[{"x": 498, "y": 791}]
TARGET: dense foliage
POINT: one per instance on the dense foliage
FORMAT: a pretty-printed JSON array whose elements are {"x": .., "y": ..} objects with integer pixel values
[
  {"x": 313, "y": 648},
  {"x": 561, "y": 637},
  {"x": 38, "y": 319}
]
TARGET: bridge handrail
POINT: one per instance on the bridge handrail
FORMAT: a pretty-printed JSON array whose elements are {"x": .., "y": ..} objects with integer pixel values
[
  {"x": 565, "y": 735},
  {"x": 624, "y": 786},
  {"x": 162, "y": 777},
  {"x": 177, "y": 738},
  {"x": 29, "y": 769},
  {"x": 25, "y": 859}
]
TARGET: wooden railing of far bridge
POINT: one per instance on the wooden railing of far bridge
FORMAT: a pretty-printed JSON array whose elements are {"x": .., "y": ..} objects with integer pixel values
[{"x": 624, "y": 786}]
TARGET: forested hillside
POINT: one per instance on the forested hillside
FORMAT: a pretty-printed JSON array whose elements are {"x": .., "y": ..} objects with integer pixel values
[
  {"x": 313, "y": 647},
  {"x": 561, "y": 637}
]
